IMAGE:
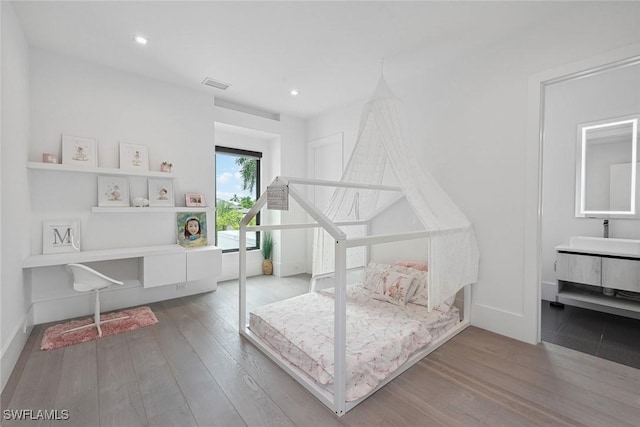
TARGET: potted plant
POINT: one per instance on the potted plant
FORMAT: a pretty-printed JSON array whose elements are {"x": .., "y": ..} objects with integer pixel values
[
  {"x": 267, "y": 251},
  {"x": 165, "y": 167}
]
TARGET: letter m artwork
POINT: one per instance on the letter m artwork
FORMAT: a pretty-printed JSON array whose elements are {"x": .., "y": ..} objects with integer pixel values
[
  {"x": 62, "y": 239},
  {"x": 61, "y": 236}
]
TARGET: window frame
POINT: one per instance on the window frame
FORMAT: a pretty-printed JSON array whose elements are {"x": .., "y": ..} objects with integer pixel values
[{"x": 239, "y": 152}]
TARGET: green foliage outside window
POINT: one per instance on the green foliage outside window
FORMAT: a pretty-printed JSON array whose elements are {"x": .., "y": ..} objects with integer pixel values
[
  {"x": 228, "y": 215},
  {"x": 248, "y": 172}
]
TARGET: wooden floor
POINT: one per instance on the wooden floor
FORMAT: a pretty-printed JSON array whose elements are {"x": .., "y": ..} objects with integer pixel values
[{"x": 193, "y": 368}]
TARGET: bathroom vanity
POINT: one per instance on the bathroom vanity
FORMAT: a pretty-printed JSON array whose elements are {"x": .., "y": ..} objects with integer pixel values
[
  {"x": 603, "y": 273},
  {"x": 599, "y": 271}
]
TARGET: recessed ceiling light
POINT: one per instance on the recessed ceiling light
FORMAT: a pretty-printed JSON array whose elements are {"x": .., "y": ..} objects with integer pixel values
[
  {"x": 294, "y": 92},
  {"x": 140, "y": 39}
]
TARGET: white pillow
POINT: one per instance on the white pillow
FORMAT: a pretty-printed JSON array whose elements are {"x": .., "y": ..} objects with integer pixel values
[{"x": 371, "y": 276}]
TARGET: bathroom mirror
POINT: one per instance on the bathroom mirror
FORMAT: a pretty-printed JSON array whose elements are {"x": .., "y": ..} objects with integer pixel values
[{"x": 606, "y": 168}]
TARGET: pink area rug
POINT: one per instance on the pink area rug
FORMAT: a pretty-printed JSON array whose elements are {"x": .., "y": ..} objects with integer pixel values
[{"x": 138, "y": 318}]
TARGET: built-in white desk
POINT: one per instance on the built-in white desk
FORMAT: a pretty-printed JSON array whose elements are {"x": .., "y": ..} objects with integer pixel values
[
  {"x": 99, "y": 255},
  {"x": 149, "y": 273},
  {"x": 159, "y": 265}
]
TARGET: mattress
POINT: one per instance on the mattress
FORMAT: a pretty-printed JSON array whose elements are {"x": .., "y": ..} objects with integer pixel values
[{"x": 380, "y": 336}]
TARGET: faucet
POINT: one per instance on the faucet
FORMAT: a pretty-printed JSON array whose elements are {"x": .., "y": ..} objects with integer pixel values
[{"x": 605, "y": 224}]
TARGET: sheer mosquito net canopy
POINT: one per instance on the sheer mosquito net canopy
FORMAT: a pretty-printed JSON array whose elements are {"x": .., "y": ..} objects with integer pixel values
[{"x": 381, "y": 151}]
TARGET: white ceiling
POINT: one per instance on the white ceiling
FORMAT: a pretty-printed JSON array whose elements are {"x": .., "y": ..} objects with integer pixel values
[{"x": 329, "y": 51}]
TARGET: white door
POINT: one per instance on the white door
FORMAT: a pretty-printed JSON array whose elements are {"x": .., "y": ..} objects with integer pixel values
[{"x": 326, "y": 162}]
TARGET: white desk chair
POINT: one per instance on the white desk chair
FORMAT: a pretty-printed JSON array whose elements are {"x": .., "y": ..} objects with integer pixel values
[{"x": 87, "y": 279}]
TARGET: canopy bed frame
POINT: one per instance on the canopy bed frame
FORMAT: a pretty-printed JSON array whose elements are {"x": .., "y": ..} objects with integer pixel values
[{"x": 334, "y": 397}]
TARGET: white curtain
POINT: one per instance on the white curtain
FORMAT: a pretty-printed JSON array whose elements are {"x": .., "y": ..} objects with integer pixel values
[{"x": 453, "y": 253}]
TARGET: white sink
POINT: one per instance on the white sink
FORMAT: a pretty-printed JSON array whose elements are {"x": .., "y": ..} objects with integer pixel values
[{"x": 605, "y": 245}]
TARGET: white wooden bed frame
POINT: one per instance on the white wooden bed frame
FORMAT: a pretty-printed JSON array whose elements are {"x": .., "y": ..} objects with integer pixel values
[{"x": 335, "y": 401}]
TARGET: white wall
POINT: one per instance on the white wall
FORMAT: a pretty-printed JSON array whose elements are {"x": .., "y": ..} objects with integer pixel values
[
  {"x": 14, "y": 199},
  {"x": 79, "y": 98},
  {"x": 567, "y": 104},
  {"x": 71, "y": 96},
  {"x": 468, "y": 123}
]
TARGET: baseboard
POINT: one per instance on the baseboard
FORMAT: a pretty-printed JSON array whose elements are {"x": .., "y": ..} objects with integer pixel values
[
  {"x": 10, "y": 352},
  {"x": 284, "y": 269},
  {"x": 503, "y": 322},
  {"x": 548, "y": 291}
]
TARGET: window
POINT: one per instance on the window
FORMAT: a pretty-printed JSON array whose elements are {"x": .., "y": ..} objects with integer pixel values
[{"x": 237, "y": 189}]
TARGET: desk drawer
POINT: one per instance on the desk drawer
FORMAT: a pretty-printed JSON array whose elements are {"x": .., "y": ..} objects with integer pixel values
[{"x": 159, "y": 270}]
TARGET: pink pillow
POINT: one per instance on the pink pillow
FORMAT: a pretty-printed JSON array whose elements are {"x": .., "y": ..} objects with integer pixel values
[{"x": 422, "y": 266}]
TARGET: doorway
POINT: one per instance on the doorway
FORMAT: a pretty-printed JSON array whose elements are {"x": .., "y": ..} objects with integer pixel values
[{"x": 575, "y": 312}]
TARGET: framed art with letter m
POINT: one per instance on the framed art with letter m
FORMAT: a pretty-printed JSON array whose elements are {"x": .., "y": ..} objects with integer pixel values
[{"x": 60, "y": 236}]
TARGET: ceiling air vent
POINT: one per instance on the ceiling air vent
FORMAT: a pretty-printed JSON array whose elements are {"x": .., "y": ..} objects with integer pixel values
[{"x": 214, "y": 83}]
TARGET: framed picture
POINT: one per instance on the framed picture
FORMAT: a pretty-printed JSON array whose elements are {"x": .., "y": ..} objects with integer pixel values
[
  {"x": 194, "y": 199},
  {"x": 113, "y": 191},
  {"x": 191, "y": 229},
  {"x": 60, "y": 236},
  {"x": 134, "y": 157},
  {"x": 79, "y": 150},
  {"x": 161, "y": 192}
]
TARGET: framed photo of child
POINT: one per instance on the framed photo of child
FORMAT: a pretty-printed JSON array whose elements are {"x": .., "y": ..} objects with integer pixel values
[
  {"x": 191, "y": 229},
  {"x": 194, "y": 199}
]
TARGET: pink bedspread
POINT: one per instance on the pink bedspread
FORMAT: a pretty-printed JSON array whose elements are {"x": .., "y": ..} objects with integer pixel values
[{"x": 380, "y": 336}]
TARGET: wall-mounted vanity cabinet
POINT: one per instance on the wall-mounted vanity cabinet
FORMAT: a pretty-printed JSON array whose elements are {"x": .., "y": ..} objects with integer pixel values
[
  {"x": 584, "y": 275},
  {"x": 578, "y": 268}
]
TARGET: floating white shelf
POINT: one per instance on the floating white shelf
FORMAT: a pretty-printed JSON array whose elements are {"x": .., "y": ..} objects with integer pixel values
[
  {"x": 96, "y": 170},
  {"x": 113, "y": 210}
]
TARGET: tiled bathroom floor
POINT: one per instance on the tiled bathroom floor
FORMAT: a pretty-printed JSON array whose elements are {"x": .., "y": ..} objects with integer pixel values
[{"x": 610, "y": 337}]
